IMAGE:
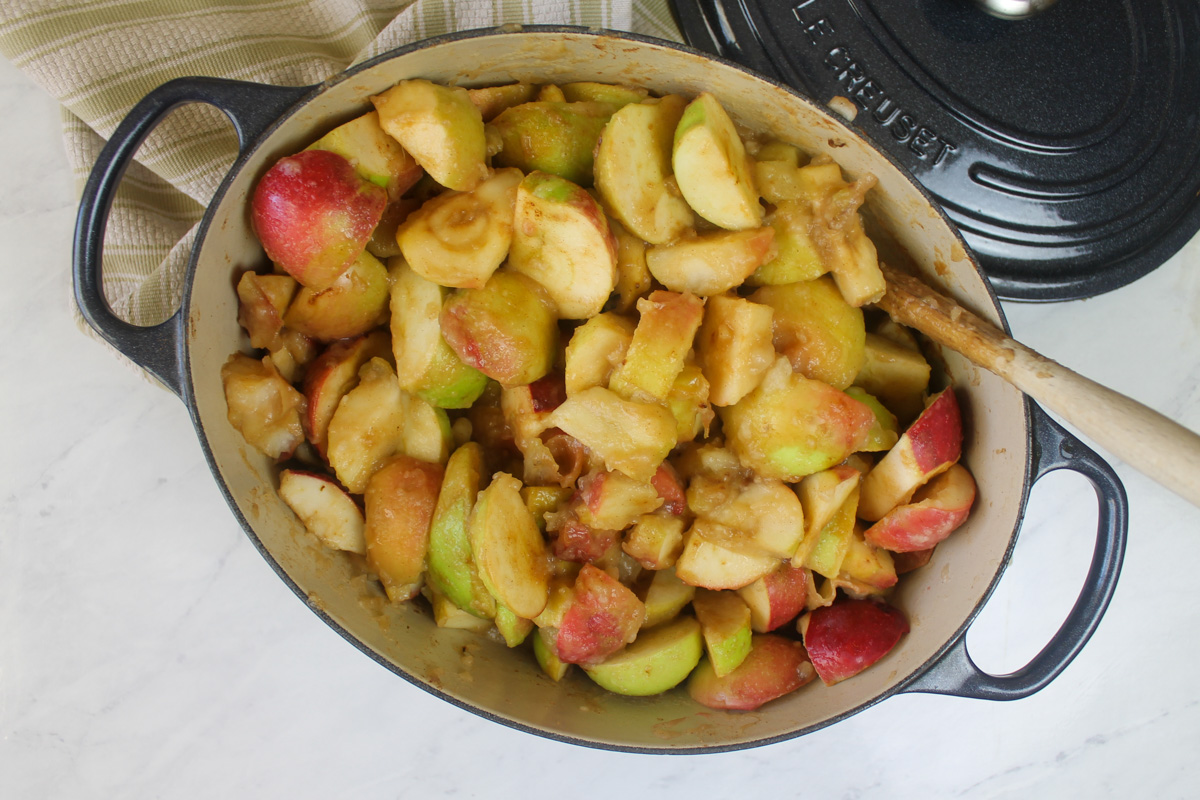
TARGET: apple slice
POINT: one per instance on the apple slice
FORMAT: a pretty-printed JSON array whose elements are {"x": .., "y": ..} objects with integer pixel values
[
  {"x": 458, "y": 239},
  {"x": 866, "y": 569},
  {"x": 552, "y": 136},
  {"x": 768, "y": 512},
  {"x": 508, "y": 548},
  {"x": 547, "y": 659},
  {"x": 596, "y": 348},
  {"x": 714, "y": 173},
  {"x": 895, "y": 373},
  {"x": 633, "y": 170},
  {"x": 822, "y": 494},
  {"x": 561, "y": 240},
  {"x": 374, "y": 155},
  {"x": 655, "y": 540},
  {"x": 825, "y": 554},
  {"x": 425, "y": 364},
  {"x": 440, "y": 127},
  {"x": 734, "y": 347},
  {"x": 352, "y": 305},
  {"x": 452, "y": 568},
  {"x": 399, "y": 499},
  {"x": 659, "y": 347},
  {"x": 633, "y": 276},
  {"x": 725, "y": 625},
  {"x": 604, "y": 615},
  {"x": 821, "y": 334},
  {"x": 368, "y": 426},
  {"x": 797, "y": 257},
  {"x": 710, "y": 263},
  {"x": 714, "y": 558},
  {"x": 936, "y": 511},
  {"x": 325, "y": 509},
  {"x": 791, "y": 426},
  {"x": 885, "y": 432},
  {"x": 774, "y": 667},
  {"x": 930, "y": 445},
  {"x": 314, "y": 215},
  {"x": 331, "y": 376},
  {"x": 507, "y": 330},
  {"x": 491, "y": 100},
  {"x": 448, "y": 615},
  {"x": 618, "y": 95},
  {"x": 659, "y": 659},
  {"x": 628, "y": 436},
  {"x": 665, "y": 596},
  {"x": 264, "y": 408},
  {"x": 776, "y": 598},
  {"x": 262, "y": 301},
  {"x": 613, "y": 500},
  {"x": 847, "y": 637}
]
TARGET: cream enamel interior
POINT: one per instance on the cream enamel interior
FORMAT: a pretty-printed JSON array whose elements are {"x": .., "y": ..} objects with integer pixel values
[{"x": 482, "y": 674}]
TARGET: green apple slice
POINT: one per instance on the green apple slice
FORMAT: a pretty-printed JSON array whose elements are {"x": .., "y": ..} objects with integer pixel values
[
  {"x": 374, "y": 155},
  {"x": 658, "y": 660},
  {"x": 451, "y": 567},
  {"x": 633, "y": 170},
  {"x": 508, "y": 548},
  {"x": 725, "y": 625},
  {"x": 712, "y": 168},
  {"x": 425, "y": 364},
  {"x": 440, "y": 127}
]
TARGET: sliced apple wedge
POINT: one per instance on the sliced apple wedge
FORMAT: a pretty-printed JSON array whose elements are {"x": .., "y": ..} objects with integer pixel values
[
  {"x": 325, "y": 509},
  {"x": 399, "y": 499},
  {"x": 440, "y": 127},
  {"x": 660, "y": 345},
  {"x": 725, "y": 625},
  {"x": 425, "y": 363},
  {"x": 458, "y": 239},
  {"x": 375, "y": 155},
  {"x": 930, "y": 445},
  {"x": 660, "y": 658},
  {"x": 734, "y": 347},
  {"x": 774, "y": 667},
  {"x": 768, "y": 512},
  {"x": 603, "y": 616},
  {"x": 633, "y": 170},
  {"x": 710, "y": 163},
  {"x": 263, "y": 406},
  {"x": 597, "y": 347},
  {"x": 332, "y": 375},
  {"x": 552, "y": 136},
  {"x": 845, "y": 638},
  {"x": 715, "y": 557},
  {"x": 776, "y": 598},
  {"x": 936, "y": 511},
  {"x": 452, "y": 568},
  {"x": 508, "y": 548},
  {"x": 655, "y": 540},
  {"x": 368, "y": 426},
  {"x": 710, "y": 263},
  {"x": 561, "y": 240},
  {"x": 630, "y": 437},
  {"x": 262, "y": 301},
  {"x": 354, "y": 304}
]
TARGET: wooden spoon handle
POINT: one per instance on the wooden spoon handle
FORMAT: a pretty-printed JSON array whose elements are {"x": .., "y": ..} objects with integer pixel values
[{"x": 1146, "y": 440}]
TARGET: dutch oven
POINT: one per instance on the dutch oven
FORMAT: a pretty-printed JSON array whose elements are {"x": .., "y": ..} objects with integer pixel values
[{"x": 1010, "y": 442}]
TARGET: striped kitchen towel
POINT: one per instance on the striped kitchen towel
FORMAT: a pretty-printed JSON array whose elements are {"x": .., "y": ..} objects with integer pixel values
[{"x": 99, "y": 57}]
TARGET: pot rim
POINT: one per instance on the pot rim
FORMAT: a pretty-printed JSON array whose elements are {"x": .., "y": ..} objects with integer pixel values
[{"x": 188, "y": 392}]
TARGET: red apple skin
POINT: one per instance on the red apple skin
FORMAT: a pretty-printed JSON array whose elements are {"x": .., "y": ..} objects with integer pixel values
[
  {"x": 785, "y": 591},
  {"x": 937, "y": 434},
  {"x": 775, "y": 666},
  {"x": 604, "y": 616},
  {"x": 937, "y": 511},
  {"x": 331, "y": 375},
  {"x": 314, "y": 215},
  {"x": 575, "y": 541},
  {"x": 667, "y": 483},
  {"x": 399, "y": 500},
  {"x": 845, "y": 638}
]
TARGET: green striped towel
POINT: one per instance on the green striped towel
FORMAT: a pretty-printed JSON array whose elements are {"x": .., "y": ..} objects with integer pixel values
[{"x": 99, "y": 57}]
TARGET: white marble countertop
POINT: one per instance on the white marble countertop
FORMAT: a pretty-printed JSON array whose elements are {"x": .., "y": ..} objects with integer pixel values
[{"x": 147, "y": 650}]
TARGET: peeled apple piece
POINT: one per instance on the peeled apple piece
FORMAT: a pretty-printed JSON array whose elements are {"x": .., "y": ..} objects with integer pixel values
[
  {"x": 440, "y": 127},
  {"x": 508, "y": 548}
]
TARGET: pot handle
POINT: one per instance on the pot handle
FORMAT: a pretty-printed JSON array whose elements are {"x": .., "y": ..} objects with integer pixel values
[
  {"x": 956, "y": 674},
  {"x": 252, "y": 108}
]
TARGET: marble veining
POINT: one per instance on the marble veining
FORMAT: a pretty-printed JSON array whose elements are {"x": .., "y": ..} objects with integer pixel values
[{"x": 147, "y": 650}]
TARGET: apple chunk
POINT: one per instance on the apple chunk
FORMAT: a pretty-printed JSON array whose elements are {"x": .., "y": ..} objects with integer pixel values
[
  {"x": 368, "y": 426},
  {"x": 325, "y": 509},
  {"x": 821, "y": 334},
  {"x": 440, "y": 127},
  {"x": 400, "y": 498},
  {"x": 710, "y": 263},
  {"x": 561, "y": 239},
  {"x": 452, "y": 570},
  {"x": 603, "y": 616},
  {"x": 725, "y": 624},
  {"x": 633, "y": 170},
  {"x": 458, "y": 239},
  {"x": 374, "y": 155},
  {"x": 508, "y": 548},
  {"x": 711, "y": 166},
  {"x": 314, "y": 215},
  {"x": 331, "y": 376},
  {"x": 845, "y": 638},
  {"x": 629, "y": 437},
  {"x": 552, "y": 136},
  {"x": 776, "y": 598},
  {"x": 507, "y": 330},
  {"x": 937, "y": 510},
  {"x": 734, "y": 347},
  {"x": 263, "y": 406},
  {"x": 352, "y": 305},
  {"x": 660, "y": 344},
  {"x": 930, "y": 445},
  {"x": 659, "y": 659},
  {"x": 791, "y": 426},
  {"x": 774, "y": 667}
]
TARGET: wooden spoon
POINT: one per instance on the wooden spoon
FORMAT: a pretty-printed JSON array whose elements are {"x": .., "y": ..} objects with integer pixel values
[{"x": 1146, "y": 440}]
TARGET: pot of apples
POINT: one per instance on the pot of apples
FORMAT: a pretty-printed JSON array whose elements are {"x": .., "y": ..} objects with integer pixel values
[{"x": 545, "y": 366}]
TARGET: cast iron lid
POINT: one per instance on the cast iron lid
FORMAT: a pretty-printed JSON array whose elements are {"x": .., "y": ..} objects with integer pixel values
[{"x": 1065, "y": 146}]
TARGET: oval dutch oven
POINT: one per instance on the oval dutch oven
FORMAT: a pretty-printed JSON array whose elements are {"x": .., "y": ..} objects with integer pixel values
[{"x": 1010, "y": 442}]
